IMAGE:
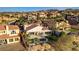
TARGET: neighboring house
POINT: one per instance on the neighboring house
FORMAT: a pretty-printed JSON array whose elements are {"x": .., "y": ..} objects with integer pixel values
[
  {"x": 9, "y": 34},
  {"x": 77, "y": 38},
  {"x": 50, "y": 23},
  {"x": 63, "y": 26},
  {"x": 54, "y": 14},
  {"x": 42, "y": 15},
  {"x": 75, "y": 26},
  {"x": 73, "y": 20},
  {"x": 32, "y": 17},
  {"x": 37, "y": 31}
]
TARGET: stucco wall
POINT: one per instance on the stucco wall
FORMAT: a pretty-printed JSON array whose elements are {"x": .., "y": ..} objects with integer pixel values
[{"x": 13, "y": 40}]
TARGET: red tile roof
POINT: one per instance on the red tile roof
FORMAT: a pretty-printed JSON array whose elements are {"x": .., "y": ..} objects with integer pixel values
[
  {"x": 2, "y": 27},
  {"x": 13, "y": 27},
  {"x": 5, "y": 36}
]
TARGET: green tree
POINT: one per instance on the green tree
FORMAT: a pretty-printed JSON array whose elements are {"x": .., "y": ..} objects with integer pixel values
[
  {"x": 52, "y": 38},
  {"x": 24, "y": 38},
  {"x": 20, "y": 21}
]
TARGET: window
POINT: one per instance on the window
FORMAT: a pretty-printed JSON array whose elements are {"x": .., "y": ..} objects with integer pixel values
[
  {"x": 43, "y": 39},
  {"x": 5, "y": 41},
  {"x": 40, "y": 33},
  {"x": 2, "y": 31},
  {"x": 60, "y": 29},
  {"x": 13, "y": 32},
  {"x": 16, "y": 39},
  {"x": 47, "y": 32},
  {"x": 31, "y": 33},
  {"x": 1, "y": 41},
  {"x": 10, "y": 40}
]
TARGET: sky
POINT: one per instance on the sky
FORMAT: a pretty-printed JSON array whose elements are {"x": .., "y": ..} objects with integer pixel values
[{"x": 26, "y": 9}]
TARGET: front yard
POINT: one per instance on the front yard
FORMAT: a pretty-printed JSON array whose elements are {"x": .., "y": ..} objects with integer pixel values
[{"x": 12, "y": 47}]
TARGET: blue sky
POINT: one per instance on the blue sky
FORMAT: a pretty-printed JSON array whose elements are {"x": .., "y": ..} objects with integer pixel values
[{"x": 26, "y": 9}]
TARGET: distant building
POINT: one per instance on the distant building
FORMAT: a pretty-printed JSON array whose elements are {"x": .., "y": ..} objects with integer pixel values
[
  {"x": 32, "y": 16},
  {"x": 42, "y": 15},
  {"x": 54, "y": 14},
  {"x": 73, "y": 20},
  {"x": 9, "y": 34}
]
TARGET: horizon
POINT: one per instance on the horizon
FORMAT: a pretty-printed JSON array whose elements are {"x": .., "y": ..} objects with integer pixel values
[{"x": 28, "y": 9}]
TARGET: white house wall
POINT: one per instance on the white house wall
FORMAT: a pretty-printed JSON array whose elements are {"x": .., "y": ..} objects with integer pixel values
[
  {"x": 13, "y": 40},
  {"x": 17, "y": 32}
]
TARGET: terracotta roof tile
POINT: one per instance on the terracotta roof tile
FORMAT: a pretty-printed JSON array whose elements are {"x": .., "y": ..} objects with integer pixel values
[
  {"x": 7, "y": 36},
  {"x": 13, "y": 27},
  {"x": 2, "y": 27}
]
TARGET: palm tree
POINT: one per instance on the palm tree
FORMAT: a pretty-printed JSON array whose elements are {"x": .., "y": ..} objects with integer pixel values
[{"x": 24, "y": 39}]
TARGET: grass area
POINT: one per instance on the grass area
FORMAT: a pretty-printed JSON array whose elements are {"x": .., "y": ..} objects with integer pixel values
[{"x": 73, "y": 30}]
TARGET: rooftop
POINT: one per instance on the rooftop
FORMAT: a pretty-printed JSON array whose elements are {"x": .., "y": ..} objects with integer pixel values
[
  {"x": 31, "y": 26},
  {"x": 3, "y": 27},
  {"x": 13, "y": 27},
  {"x": 7, "y": 36}
]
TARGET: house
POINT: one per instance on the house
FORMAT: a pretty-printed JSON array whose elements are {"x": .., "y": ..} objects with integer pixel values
[
  {"x": 54, "y": 14},
  {"x": 42, "y": 14},
  {"x": 73, "y": 20},
  {"x": 32, "y": 16},
  {"x": 75, "y": 36},
  {"x": 37, "y": 31},
  {"x": 9, "y": 34},
  {"x": 63, "y": 26},
  {"x": 49, "y": 23}
]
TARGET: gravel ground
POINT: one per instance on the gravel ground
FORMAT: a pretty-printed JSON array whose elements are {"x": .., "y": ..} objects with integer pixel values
[
  {"x": 39, "y": 47},
  {"x": 12, "y": 47}
]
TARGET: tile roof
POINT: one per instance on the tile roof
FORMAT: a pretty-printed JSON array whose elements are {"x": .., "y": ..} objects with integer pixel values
[
  {"x": 7, "y": 36},
  {"x": 30, "y": 27},
  {"x": 13, "y": 27},
  {"x": 2, "y": 27},
  {"x": 35, "y": 25},
  {"x": 75, "y": 26}
]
